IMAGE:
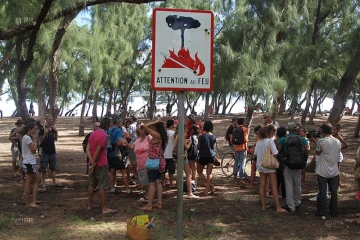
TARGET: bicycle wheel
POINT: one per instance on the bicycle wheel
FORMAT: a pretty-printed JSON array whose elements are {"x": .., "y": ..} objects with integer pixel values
[
  {"x": 247, "y": 172},
  {"x": 227, "y": 164}
]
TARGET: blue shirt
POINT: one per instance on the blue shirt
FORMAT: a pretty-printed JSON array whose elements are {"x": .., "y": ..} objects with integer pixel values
[
  {"x": 116, "y": 134},
  {"x": 207, "y": 142}
]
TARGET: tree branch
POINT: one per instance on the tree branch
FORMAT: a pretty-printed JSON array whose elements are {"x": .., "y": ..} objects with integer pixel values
[
  {"x": 7, "y": 56},
  {"x": 26, "y": 27}
]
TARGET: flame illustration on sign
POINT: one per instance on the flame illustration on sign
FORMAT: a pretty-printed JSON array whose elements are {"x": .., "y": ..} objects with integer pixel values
[{"x": 183, "y": 58}]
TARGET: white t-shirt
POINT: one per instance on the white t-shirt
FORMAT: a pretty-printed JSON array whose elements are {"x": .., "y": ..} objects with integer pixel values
[
  {"x": 28, "y": 156},
  {"x": 327, "y": 165},
  {"x": 170, "y": 146},
  {"x": 259, "y": 151}
]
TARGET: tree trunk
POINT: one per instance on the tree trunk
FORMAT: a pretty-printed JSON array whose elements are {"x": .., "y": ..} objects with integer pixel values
[
  {"x": 88, "y": 109},
  {"x": 82, "y": 120},
  {"x": 282, "y": 105},
  {"x": 24, "y": 64},
  {"x": 308, "y": 102},
  {"x": 232, "y": 106},
  {"x": 7, "y": 56},
  {"x": 40, "y": 84},
  {"x": 224, "y": 104},
  {"x": 103, "y": 103},
  {"x": 207, "y": 107},
  {"x": 357, "y": 129},
  {"x": 114, "y": 101},
  {"x": 314, "y": 107},
  {"x": 353, "y": 102},
  {"x": 152, "y": 104},
  {"x": 109, "y": 103},
  {"x": 53, "y": 78},
  {"x": 13, "y": 91},
  {"x": 345, "y": 86},
  {"x": 68, "y": 113},
  {"x": 94, "y": 110}
]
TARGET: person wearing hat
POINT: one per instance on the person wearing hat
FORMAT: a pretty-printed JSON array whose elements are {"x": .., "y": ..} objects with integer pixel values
[
  {"x": 1, "y": 113},
  {"x": 292, "y": 176},
  {"x": 189, "y": 126},
  {"x": 115, "y": 158},
  {"x": 15, "y": 147},
  {"x": 230, "y": 129},
  {"x": 268, "y": 120}
]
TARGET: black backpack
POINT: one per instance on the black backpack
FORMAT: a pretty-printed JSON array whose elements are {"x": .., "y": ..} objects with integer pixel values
[
  {"x": 192, "y": 151},
  {"x": 295, "y": 154},
  {"x": 238, "y": 136}
]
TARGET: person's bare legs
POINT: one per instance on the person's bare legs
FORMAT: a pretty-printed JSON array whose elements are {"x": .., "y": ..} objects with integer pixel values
[
  {"x": 188, "y": 179},
  {"x": 262, "y": 190},
  {"x": 90, "y": 197},
  {"x": 36, "y": 183},
  {"x": 104, "y": 207},
  {"x": 273, "y": 182},
  {"x": 125, "y": 178},
  {"x": 52, "y": 175},
  {"x": 43, "y": 179},
  {"x": 159, "y": 193},
  {"x": 200, "y": 169},
  {"x": 252, "y": 175},
  {"x": 28, "y": 179},
  {"x": 303, "y": 180},
  {"x": 209, "y": 178},
  {"x": 112, "y": 178},
  {"x": 151, "y": 195},
  {"x": 193, "y": 170},
  {"x": 171, "y": 180}
]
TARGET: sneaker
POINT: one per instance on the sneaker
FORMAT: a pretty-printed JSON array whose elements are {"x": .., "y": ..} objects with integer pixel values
[
  {"x": 318, "y": 214},
  {"x": 286, "y": 207},
  {"x": 313, "y": 199},
  {"x": 192, "y": 197}
]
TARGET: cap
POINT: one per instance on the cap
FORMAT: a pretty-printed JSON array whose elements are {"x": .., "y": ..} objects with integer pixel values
[
  {"x": 191, "y": 116},
  {"x": 266, "y": 115},
  {"x": 291, "y": 126},
  {"x": 234, "y": 119},
  {"x": 19, "y": 122}
]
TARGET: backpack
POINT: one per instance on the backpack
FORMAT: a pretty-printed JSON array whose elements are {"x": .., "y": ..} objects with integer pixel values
[
  {"x": 111, "y": 146},
  {"x": 295, "y": 154},
  {"x": 192, "y": 151},
  {"x": 238, "y": 136}
]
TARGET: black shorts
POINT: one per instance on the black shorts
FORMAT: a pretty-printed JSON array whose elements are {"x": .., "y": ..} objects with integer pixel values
[
  {"x": 170, "y": 165},
  {"x": 206, "y": 160},
  {"x": 116, "y": 163}
]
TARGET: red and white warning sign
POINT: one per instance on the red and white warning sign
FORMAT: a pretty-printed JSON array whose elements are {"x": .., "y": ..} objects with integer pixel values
[{"x": 182, "y": 50}]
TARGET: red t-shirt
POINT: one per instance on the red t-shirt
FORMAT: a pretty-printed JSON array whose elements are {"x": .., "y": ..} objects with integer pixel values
[{"x": 99, "y": 138}]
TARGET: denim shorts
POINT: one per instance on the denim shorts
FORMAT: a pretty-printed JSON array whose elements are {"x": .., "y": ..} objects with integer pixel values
[
  {"x": 48, "y": 160},
  {"x": 143, "y": 177},
  {"x": 154, "y": 175}
]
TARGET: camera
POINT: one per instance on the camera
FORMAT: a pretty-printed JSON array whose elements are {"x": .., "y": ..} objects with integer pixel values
[{"x": 313, "y": 134}]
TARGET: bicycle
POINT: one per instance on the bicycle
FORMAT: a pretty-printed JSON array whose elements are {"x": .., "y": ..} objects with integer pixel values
[{"x": 228, "y": 161}]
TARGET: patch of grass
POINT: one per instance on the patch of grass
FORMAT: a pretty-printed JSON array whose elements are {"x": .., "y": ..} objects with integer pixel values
[
  {"x": 238, "y": 199},
  {"x": 5, "y": 223},
  {"x": 76, "y": 219},
  {"x": 257, "y": 220},
  {"x": 218, "y": 219}
]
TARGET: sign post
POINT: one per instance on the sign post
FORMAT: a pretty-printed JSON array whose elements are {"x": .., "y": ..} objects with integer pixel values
[{"x": 182, "y": 60}]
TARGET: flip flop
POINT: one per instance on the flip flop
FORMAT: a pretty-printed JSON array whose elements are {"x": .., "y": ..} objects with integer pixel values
[
  {"x": 58, "y": 185},
  {"x": 38, "y": 202},
  {"x": 143, "y": 200},
  {"x": 159, "y": 206},
  {"x": 110, "y": 211},
  {"x": 146, "y": 208}
]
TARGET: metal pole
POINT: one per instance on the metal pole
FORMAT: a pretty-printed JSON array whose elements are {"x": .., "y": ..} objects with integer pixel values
[{"x": 180, "y": 166}]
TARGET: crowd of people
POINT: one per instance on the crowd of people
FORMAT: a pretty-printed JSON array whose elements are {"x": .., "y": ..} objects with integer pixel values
[{"x": 146, "y": 152}]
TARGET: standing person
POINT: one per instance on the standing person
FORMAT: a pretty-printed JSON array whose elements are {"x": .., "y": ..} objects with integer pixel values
[
  {"x": 1, "y": 113},
  {"x": 98, "y": 171},
  {"x": 302, "y": 133},
  {"x": 337, "y": 134},
  {"x": 193, "y": 153},
  {"x": 207, "y": 154},
  {"x": 187, "y": 143},
  {"x": 281, "y": 132},
  {"x": 48, "y": 136},
  {"x": 296, "y": 149},
  {"x": 268, "y": 120},
  {"x": 253, "y": 160},
  {"x": 132, "y": 156},
  {"x": 157, "y": 147},
  {"x": 15, "y": 146},
  {"x": 264, "y": 142},
  {"x": 230, "y": 130},
  {"x": 240, "y": 138},
  {"x": 327, "y": 170},
  {"x": 85, "y": 142},
  {"x": 141, "y": 149},
  {"x": 170, "y": 162},
  {"x": 115, "y": 159},
  {"x": 189, "y": 126},
  {"x": 31, "y": 110},
  {"x": 29, "y": 140},
  {"x": 168, "y": 110}
]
